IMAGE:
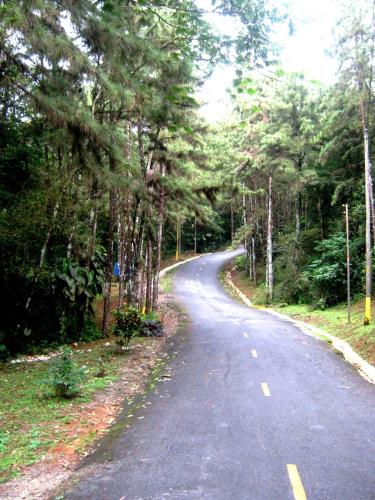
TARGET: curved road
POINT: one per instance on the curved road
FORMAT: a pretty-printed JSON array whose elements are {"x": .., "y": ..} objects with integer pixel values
[{"x": 254, "y": 409}]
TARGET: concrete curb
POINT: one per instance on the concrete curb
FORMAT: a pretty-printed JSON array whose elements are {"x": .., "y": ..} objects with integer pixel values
[
  {"x": 364, "y": 368},
  {"x": 173, "y": 266},
  {"x": 242, "y": 296}
]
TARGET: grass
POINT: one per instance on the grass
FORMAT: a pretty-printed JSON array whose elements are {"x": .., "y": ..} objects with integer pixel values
[
  {"x": 31, "y": 419},
  {"x": 166, "y": 281},
  {"x": 333, "y": 320}
]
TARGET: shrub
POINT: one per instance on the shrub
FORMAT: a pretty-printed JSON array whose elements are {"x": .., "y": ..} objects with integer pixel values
[
  {"x": 327, "y": 271},
  {"x": 65, "y": 376},
  {"x": 259, "y": 297},
  {"x": 151, "y": 326},
  {"x": 241, "y": 262},
  {"x": 294, "y": 290},
  {"x": 128, "y": 323},
  {"x": 3, "y": 353}
]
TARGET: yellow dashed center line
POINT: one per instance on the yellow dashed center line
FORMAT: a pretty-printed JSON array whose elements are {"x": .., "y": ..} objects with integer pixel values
[
  {"x": 298, "y": 489},
  {"x": 254, "y": 353},
  {"x": 266, "y": 389}
]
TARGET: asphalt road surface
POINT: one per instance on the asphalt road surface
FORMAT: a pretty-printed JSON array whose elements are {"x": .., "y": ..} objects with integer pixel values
[{"x": 254, "y": 409}]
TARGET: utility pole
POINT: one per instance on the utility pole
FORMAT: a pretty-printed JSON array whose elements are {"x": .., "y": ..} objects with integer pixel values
[{"x": 347, "y": 258}]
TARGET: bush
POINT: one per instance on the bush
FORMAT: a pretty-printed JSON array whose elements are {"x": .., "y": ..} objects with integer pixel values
[
  {"x": 151, "y": 326},
  {"x": 65, "y": 376},
  {"x": 3, "y": 353},
  {"x": 260, "y": 295},
  {"x": 294, "y": 290},
  {"x": 90, "y": 332},
  {"x": 241, "y": 263},
  {"x": 327, "y": 272},
  {"x": 128, "y": 324}
]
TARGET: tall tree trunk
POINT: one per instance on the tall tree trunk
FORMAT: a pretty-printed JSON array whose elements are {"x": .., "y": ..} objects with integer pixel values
[
  {"x": 178, "y": 239},
  {"x": 109, "y": 267},
  {"x": 122, "y": 257},
  {"x": 158, "y": 261},
  {"x": 319, "y": 207},
  {"x": 70, "y": 241},
  {"x": 43, "y": 252},
  {"x": 254, "y": 260},
  {"x": 298, "y": 215},
  {"x": 231, "y": 222},
  {"x": 149, "y": 280},
  {"x": 269, "y": 244},
  {"x": 195, "y": 234},
  {"x": 368, "y": 198},
  {"x": 92, "y": 223},
  {"x": 159, "y": 241},
  {"x": 141, "y": 283}
]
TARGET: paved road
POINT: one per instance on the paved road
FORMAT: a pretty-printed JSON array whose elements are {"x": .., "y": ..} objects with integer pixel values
[{"x": 249, "y": 395}]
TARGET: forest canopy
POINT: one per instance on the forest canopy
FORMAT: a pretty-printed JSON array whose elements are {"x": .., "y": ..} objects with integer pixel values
[{"x": 105, "y": 160}]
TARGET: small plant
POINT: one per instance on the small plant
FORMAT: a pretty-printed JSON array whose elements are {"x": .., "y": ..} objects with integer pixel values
[
  {"x": 65, "y": 376},
  {"x": 128, "y": 323},
  {"x": 101, "y": 371},
  {"x": 3, "y": 353},
  {"x": 151, "y": 326}
]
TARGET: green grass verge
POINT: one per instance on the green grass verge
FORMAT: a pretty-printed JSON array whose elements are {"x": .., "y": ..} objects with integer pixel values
[
  {"x": 31, "y": 419},
  {"x": 333, "y": 320},
  {"x": 166, "y": 281}
]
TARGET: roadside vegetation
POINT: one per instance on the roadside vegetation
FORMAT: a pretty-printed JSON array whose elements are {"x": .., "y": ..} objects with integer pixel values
[
  {"x": 108, "y": 173},
  {"x": 333, "y": 320}
]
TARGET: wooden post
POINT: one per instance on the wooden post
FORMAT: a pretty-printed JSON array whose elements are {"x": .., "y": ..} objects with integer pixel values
[{"x": 347, "y": 258}]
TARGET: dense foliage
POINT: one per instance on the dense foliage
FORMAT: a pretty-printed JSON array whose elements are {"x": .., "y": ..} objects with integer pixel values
[
  {"x": 100, "y": 149},
  {"x": 104, "y": 160}
]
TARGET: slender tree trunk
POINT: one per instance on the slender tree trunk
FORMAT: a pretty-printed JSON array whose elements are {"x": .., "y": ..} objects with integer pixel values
[
  {"x": 178, "y": 239},
  {"x": 368, "y": 197},
  {"x": 244, "y": 208},
  {"x": 319, "y": 207},
  {"x": 44, "y": 251},
  {"x": 298, "y": 216},
  {"x": 122, "y": 256},
  {"x": 159, "y": 241},
  {"x": 70, "y": 241},
  {"x": 231, "y": 222},
  {"x": 48, "y": 236},
  {"x": 158, "y": 261},
  {"x": 109, "y": 268},
  {"x": 347, "y": 259},
  {"x": 141, "y": 284},
  {"x": 269, "y": 244},
  {"x": 254, "y": 260},
  {"x": 195, "y": 234},
  {"x": 149, "y": 277},
  {"x": 92, "y": 224}
]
